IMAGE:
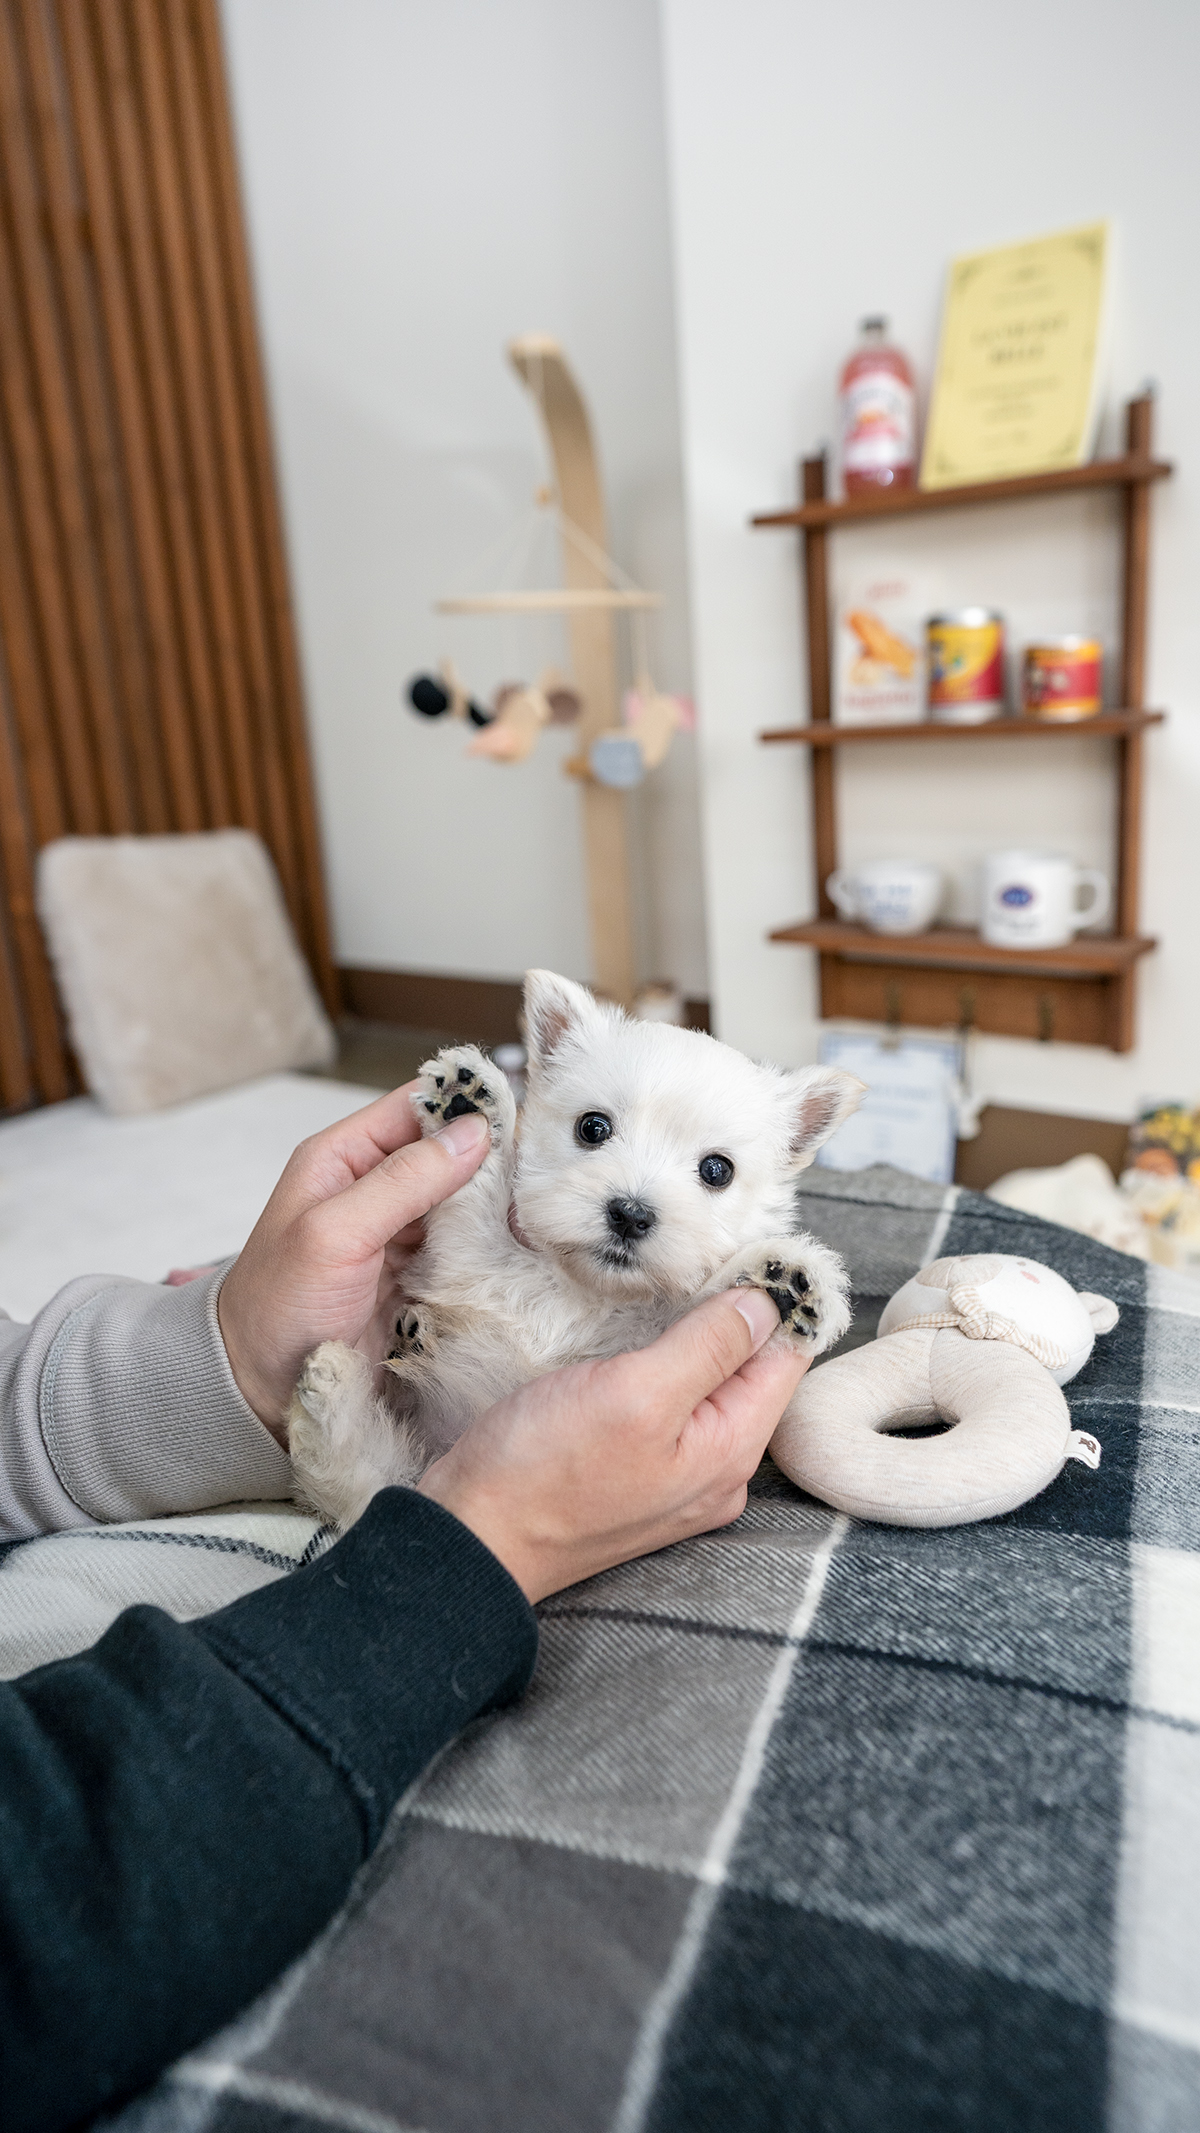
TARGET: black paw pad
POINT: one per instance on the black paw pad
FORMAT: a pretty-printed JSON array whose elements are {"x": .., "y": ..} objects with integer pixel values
[
  {"x": 466, "y": 1093},
  {"x": 794, "y": 1278},
  {"x": 787, "y": 1286},
  {"x": 408, "y": 1331},
  {"x": 457, "y": 1106}
]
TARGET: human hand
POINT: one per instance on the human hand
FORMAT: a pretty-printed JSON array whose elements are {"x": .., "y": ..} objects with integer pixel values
[
  {"x": 323, "y": 1260},
  {"x": 604, "y": 1461}
]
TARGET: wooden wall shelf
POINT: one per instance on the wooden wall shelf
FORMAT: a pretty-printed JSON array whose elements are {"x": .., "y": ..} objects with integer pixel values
[
  {"x": 1083, "y": 994},
  {"x": 1089, "y": 955},
  {"x": 1132, "y": 470},
  {"x": 989, "y": 729}
]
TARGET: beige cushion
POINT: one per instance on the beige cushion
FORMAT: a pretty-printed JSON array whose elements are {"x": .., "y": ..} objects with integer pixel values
[{"x": 177, "y": 965}]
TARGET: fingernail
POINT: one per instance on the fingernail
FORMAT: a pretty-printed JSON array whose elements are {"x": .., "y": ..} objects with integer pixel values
[
  {"x": 463, "y": 1135},
  {"x": 759, "y": 1313}
]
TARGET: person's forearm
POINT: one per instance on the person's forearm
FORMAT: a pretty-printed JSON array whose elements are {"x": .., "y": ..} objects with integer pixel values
[
  {"x": 118, "y": 1402},
  {"x": 185, "y": 1806}
]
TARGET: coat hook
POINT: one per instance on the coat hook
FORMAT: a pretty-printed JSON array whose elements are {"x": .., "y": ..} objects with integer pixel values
[
  {"x": 1045, "y": 1016},
  {"x": 891, "y": 1008}
]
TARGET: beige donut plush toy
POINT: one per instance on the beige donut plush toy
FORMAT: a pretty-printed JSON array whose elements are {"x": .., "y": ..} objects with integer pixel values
[{"x": 982, "y": 1343}]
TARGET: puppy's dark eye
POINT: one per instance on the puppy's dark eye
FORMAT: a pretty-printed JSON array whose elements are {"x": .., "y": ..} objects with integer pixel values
[
  {"x": 593, "y": 1128},
  {"x": 717, "y": 1171}
]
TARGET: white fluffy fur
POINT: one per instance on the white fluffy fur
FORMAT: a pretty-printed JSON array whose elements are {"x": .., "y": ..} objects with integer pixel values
[{"x": 519, "y": 1273}]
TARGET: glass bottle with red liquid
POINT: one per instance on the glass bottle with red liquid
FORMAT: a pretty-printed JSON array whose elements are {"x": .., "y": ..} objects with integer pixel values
[{"x": 879, "y": 416}]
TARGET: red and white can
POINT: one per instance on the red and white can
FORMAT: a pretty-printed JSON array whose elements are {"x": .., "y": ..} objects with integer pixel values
[
  {"x": 1063, "y": 678},
  {"x": 966, "y": 666}
]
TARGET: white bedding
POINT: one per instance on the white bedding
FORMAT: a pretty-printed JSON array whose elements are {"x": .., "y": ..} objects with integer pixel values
[
  {"x": 85, "y": 1193},
  {"x": 60, "y": 1593}
]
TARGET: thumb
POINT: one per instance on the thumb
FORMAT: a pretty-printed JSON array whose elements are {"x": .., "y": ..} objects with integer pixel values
[
  {"x": 408, "y": 1183},
  {"x": 697, "y": 1354}
]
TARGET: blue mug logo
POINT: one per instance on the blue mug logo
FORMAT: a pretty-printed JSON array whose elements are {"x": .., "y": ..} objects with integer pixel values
[{"x": 1015, "y": 896}]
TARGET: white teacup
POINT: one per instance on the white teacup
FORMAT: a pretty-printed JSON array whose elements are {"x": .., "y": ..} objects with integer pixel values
[
  {"x": 1031, "y": 899},
  {"x": 889, "y": 895}
]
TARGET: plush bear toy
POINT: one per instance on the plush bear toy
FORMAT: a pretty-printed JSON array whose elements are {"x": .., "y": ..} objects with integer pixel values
[{"x": 982, "y": 1343}]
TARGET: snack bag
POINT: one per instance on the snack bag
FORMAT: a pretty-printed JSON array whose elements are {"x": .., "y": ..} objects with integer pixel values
[{"x": 879, "y": 652}]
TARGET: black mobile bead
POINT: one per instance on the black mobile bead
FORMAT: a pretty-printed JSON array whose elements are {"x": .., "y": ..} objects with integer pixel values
[{"x": 428, "y": 696}]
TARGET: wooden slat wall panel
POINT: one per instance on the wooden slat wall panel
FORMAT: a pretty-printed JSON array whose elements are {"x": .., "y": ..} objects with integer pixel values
[
  {"x": 148, "y": 670},
  {"x": 287, "y": 763},
  {"x": 33, "y": 1061}
]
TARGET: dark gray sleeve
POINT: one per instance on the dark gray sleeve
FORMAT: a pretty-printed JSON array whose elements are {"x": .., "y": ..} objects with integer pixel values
[
  {"x": 118, "y": 1402},
  {"x": 184, "y": 1805}
]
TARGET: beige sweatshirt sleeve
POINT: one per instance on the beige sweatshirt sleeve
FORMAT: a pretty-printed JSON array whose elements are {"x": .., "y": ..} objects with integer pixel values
[{"x": 118, "y": 1402}]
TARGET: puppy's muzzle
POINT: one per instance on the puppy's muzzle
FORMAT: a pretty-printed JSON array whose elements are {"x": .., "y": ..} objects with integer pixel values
[{"x": 630, "y": 1220}]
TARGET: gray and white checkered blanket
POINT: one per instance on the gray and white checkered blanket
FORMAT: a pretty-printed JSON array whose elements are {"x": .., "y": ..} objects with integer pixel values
[{"x": 809, "y": 1824}]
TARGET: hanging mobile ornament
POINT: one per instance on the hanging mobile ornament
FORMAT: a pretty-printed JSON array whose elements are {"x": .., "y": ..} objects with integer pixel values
[{"x": 434, "y": 696}]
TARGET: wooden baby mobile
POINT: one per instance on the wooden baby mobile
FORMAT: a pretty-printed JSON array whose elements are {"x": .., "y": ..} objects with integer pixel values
[{"x": 613, "y": 755}]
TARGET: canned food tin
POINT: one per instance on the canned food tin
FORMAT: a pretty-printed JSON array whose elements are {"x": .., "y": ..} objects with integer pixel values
[
  {"x": 1062, "y": 678},
  {"x": 966, "y": 665}
]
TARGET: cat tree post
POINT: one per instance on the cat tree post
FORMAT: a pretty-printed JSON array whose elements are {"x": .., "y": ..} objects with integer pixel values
[{"x": 540, "y": 364}]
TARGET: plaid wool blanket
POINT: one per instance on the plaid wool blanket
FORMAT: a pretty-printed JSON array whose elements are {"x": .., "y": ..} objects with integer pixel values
[{"x": 808, "y": 1824}]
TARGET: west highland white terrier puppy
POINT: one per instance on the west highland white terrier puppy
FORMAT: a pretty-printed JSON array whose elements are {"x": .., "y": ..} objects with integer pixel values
[{"x": 651, "y": 1167}]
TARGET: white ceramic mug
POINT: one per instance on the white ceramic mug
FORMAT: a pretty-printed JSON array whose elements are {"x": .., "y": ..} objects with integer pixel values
[
  {"x": 1031, "y": 899},
  {"x": 889, "y": 895}
]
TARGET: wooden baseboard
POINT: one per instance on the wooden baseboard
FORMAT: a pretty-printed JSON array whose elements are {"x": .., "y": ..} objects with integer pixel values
[
  {"x": 486, "y": 1010},
  {"x": 1034, "y": 1140}
]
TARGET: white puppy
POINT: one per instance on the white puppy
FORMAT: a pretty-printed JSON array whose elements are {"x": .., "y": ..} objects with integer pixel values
[{"x": 653, "y": 1167}]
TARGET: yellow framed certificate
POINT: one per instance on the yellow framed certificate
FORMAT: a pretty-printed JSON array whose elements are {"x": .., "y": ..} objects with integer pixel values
[{"x": 1017, "y": 384}]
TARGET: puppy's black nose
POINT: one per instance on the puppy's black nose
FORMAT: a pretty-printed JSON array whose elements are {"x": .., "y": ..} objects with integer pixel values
[{"x": 630, "y": 1219}]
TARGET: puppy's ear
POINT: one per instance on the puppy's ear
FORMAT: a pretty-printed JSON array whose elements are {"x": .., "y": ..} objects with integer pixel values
[
  {"x": 819, "y": 1098},
  {"x": 554, "y": 1007}
]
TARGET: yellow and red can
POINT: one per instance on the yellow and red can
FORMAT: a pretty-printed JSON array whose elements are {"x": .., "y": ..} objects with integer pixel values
[
  {"x": 966, "y": 666},
  {"x": 1063, "y": 678}
]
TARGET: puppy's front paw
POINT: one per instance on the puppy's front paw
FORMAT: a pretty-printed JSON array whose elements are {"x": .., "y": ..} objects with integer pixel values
[
  {"x": 807, "y": 1285},
  {"x": 460, "y": 1080}
]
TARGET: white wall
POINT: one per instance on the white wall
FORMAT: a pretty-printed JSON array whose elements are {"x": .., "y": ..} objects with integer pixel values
[
  {"x": 826, "y": 163},
  {"x": 422, "y": 183}
]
